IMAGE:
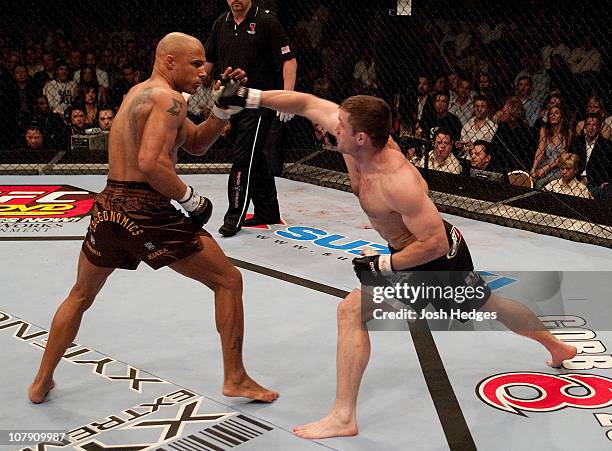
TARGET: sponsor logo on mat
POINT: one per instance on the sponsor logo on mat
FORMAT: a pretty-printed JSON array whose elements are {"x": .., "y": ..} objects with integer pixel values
[
  {"x": 179, "y": 415},
  {"x": 520, "y": 392},
  {"x": 41, "y": 208}
]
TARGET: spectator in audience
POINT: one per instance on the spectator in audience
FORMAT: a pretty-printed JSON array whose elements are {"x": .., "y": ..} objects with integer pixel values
[
  {"x": 562, "y": 80},
  {"x": 107, "y": 64},
  {"x": 422, "y": 94},
  {"x": 486, "y": 89},
  {"x": 595, "y": 155},
  {"x": 50, "y": 123},
  {"x": 567, "y": 184},
  {"x": 60, "y": 91},
  {"x": 106, "y": 115},
  {"x": 474, "y": 61},
  {"x": 35, "y": 140},
  {"x": 463, "y": 38},
  {"x": 364, "y": 75},
  {"x": 595, "y": 106},
  {"x": 433, "y": 62},
  {"x": 428, "y": 115},
  {"x": 90, "y": 103},
  {"x": 13, "y": 60},
  {"x": 32, "y": 63},
  {"x": 77, "y": 120},
  {"x": 555, "y": 138},
  {"x": 9, "y": 113},
  {"x": 513, "y": 143},
  {"x": 441, "y": 157},
  {"x": 334, "y": 63},
  {"x": 480, "y": 158},
  {"x": 453, "y": 80},
  {"x": 449, "y": 54},
  {"x": 24, "y": 90},
  {"x": 540, "y": 80},
  {"x": 531, "y": 106},
  {"x": 440, "y": 84},
  {"x": 555, "y": 47},
  {"x": 87, "y": 76},
  {"x": 322, "y": 88},
  {"x": 489, "y": 30},
  {"x": 117, "y": 45},
  {"x": 412, "y": 131},
  {"x": 463, "y": 106},
  {"x": 74, "y": 61},
  {"x": 585, "y": 59},
  {"x": 479, "y": 127},
  {"x": 443, "y": 118},
  {"x": 41, "y": 78},
  {"x": 99, "y": 75},
  {"x": 121, "y": 88},
  {"x": 312, "y": 30},
  {"x": 554, "y": 99}
]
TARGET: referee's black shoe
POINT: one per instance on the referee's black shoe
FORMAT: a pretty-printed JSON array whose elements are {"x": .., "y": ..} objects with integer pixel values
[{"x": 228, "y": 230}]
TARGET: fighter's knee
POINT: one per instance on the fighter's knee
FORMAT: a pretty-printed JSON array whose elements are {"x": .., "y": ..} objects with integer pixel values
[
  {"x": 231, "y": 279},
  {"x": 349, "y": 306},
  {"x": 81, "y": 297}
]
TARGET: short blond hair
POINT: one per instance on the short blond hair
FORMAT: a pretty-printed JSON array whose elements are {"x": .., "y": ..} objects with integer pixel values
[{"x": 568, "y": 160}]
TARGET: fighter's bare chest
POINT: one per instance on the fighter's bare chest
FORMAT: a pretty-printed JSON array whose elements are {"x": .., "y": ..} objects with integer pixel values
[{"x": 371, "y": 196}]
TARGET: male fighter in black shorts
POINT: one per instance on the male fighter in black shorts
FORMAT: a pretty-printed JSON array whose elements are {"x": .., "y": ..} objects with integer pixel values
[{"x": 394, "y": 196}]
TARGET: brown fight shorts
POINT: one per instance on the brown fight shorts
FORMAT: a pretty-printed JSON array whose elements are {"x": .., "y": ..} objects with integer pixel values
[{"x": 131, "y": 222}]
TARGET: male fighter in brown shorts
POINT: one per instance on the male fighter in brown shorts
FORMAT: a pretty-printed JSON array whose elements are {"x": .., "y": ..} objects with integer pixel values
[
  {"x": 133, "y": 219},
  {"x": 394, "y": 196}
]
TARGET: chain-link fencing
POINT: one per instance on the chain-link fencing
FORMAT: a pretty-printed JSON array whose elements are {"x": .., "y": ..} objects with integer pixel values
[{"x": 502, "y": 105}]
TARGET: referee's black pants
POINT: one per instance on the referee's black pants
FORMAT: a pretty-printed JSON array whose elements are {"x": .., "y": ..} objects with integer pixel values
[{"x": 250, "y": 177}]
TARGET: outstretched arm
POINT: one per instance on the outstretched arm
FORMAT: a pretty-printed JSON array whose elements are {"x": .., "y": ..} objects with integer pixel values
[{"x": 319, "y": 111}]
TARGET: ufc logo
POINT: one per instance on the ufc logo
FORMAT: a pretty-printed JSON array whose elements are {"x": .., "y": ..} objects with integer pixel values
[
  {"x": 49, "y": 198},
  {"x": 553, "y": 392}
]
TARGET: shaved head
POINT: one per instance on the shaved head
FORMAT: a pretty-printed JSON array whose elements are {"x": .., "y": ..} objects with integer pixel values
[
  {"x": 176, "y": 44},
  {"x": 179, "y": 59}
]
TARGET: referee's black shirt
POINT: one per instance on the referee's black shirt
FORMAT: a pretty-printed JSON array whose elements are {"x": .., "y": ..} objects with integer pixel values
[{"x": 259, "y": 46}]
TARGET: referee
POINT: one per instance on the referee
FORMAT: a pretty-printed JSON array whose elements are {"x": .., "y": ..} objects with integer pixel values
[{"x": 249, "y": 38}]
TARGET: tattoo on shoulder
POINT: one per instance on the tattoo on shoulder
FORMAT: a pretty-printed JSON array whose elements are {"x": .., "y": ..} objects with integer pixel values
[{"x": 175, "y": 109}]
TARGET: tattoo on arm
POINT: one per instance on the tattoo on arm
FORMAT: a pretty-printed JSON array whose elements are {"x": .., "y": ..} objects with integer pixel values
[{"x": 175, "y": 109}]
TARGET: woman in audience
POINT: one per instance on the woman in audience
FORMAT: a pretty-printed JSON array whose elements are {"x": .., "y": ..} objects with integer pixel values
[{"x": 555, "y": 137}]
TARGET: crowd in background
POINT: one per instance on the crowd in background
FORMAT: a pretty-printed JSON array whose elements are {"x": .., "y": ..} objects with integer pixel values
[{"x": 517, "y": 89}]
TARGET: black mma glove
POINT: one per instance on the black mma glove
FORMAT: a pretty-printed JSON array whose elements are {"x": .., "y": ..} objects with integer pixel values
[
  {"x": 224, "y": 113},
  {"x": 234, "y": 94},
  {"x": 371, "y": 268},
  {"x": 199, "y": 207}
]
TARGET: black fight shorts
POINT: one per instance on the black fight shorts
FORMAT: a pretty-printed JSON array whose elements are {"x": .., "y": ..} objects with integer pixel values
[{"x": 452, "y": 275}]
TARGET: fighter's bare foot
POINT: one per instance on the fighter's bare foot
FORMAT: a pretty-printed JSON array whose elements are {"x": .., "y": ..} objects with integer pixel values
[
  {"x": 248, "y": 388},
  {"x": 329, "y": 426},
  {"x": 37, "y": 392},
  {"x": 561, "y": 353}
]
